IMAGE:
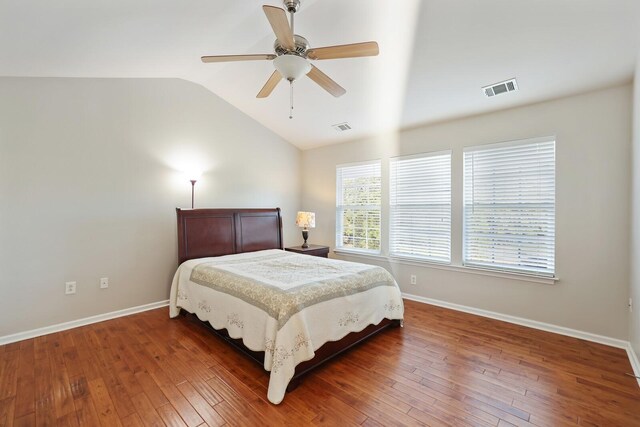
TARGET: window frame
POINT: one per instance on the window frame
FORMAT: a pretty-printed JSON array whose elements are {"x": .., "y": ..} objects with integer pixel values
[
  {"x": 339, "y": 236},
  {"x": 466, "y": 263},
  {"x": 393, "y": 209}
]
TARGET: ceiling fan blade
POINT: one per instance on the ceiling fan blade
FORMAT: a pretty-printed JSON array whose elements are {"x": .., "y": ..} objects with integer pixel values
[
  {"x": 278, "y": 19},
  {"x": 326, "y": 82},
  {"x": 270, "y": 85},
  {"x": 232, "y": 58},
  {"x": 344, "y": 51}
]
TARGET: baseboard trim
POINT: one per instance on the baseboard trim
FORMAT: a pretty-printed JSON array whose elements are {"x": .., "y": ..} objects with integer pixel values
[
  {"x": 8, "y": 339},
  {"x": 635, "y": 363},
  {"x": 601, "y": 339}
]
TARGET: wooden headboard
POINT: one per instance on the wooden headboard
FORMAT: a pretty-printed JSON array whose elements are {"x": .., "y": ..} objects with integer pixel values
[{"x": 214, "y": 232}]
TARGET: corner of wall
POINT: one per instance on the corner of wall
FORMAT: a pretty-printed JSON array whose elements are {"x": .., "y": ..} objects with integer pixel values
[{"x": 634, "y": 291}]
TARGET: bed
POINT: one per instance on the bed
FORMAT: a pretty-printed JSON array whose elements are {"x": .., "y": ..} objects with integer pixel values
[{"x": 287, "y": 311}]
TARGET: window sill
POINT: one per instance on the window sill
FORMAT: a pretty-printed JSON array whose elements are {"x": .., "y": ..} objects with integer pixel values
[
  {"x": 359, "y": 254},
  {"x": 450, "y": 267}
]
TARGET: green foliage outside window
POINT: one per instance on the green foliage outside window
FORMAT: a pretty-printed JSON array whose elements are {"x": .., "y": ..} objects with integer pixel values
[{"x": 361, "y": 198}]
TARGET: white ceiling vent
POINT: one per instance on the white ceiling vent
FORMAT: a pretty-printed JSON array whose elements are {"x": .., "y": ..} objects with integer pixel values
[
  {"x": 341, "y": 127},
  {"x": 502, "y": 87}
]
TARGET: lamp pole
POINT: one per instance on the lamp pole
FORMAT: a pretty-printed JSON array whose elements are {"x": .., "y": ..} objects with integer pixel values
[{"x": 193, "y": 186}]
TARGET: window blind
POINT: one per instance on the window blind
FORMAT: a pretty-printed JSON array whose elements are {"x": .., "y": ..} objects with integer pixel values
[
  {"x": 420, "y": 201},
  {"x": 509, "y": 207},
  {"x": 358, "y": 199}
]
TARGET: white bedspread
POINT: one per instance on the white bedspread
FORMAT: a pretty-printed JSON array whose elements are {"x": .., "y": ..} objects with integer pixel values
[{"x": 285, "y": 304}]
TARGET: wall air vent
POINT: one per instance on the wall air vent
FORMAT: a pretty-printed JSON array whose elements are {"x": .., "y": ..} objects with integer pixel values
[
  {"x": 341, "y": 127},
  {"x": 502, "y": 87}
]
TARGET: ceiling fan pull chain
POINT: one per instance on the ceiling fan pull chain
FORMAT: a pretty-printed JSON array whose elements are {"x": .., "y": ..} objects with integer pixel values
[{"x": 291, "y": 99}]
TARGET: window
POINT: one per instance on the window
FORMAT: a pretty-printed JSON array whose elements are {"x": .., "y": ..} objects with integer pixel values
[
  {"x": 358, "y": 195},
  {"x": 420, "y": 199},
  {"x": 509, "y": 206}
]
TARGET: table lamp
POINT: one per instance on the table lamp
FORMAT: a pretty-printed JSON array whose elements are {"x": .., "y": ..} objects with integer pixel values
[{"x": 306, "y": 220}]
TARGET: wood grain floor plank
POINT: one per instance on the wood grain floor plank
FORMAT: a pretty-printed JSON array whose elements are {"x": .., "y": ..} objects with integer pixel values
[
  {"x": 146, "y": 412},
  {"x": 368, "y": 404},
  {"x": 207, "y": 392},
  {"x": 257, "y": 398},
  {"x": 234, "y": 417},
  {"x": 132, "y": 420},
  {"x": 330, "y": 418},
  {"x": 151, "y": 389},
  {"x": 86, "y": 411},
  {"x": 68, "y": 420},
  {"x": 254, "y": 378},
  {"x": 12, "y": 347},
  {"x": 106, "y": 359},
  {"x": 103, "y": 404},
  {"x": 370, "y": 422},
  {"x": 233, "y": 400},
  {"x": 332, "y": 405},
  {"x": 182, "y": 405},
  {"x": 9, "y": 377},
  {"x": 44, "y": 403},
  {"x": 206, "y": 411},
  {"x": 170, "y": 416},
  {"x": 62, "y": 393},
  {"x": 25, "y": 387},
  {"x": 385, "y": 392},
  {"x": 7, "y": 411},
  {"x": 499, "y": 413},
  {"x": 429, "y": 419},
  {"x": 127, "y": 378},
  {"x": 85, "y": 352},
  {"x": 140, "y": 366},
  {"x": 28, "y": 420}
]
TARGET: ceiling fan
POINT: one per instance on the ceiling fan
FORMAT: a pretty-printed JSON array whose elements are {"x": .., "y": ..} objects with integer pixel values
[{"x": 293, "y": 54}]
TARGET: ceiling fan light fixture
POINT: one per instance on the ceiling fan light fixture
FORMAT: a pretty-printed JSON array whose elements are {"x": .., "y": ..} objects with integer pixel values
[{"x": 292, "y": 67}]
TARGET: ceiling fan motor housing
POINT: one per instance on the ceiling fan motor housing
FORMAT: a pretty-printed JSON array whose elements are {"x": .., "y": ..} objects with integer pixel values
[{"x": 301, "y": 47}]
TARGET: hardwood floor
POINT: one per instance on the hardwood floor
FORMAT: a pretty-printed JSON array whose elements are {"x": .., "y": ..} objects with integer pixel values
[{"x": 442, "y": 368}]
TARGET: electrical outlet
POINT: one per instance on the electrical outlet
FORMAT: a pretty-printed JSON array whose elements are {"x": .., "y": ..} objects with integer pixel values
[
  {"x": 630, "y": 305},
  {"x": 413, "y": 279},
  {"x": 70, "y": 288},
  {"x": 104, "y": 282}
]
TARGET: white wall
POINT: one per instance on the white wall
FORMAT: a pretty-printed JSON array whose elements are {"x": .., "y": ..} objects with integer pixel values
[
  {"x": 634, "y": 318},
  {"x": 89, "y": 182},
  {"x": 593, "y": 151}
]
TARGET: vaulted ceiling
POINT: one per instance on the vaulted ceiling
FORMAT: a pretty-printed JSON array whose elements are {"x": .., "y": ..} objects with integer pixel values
[{"x": 435, "y": 55}]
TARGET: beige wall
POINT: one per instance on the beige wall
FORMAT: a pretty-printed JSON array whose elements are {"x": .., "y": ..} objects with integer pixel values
[
  {"x": 593, "y": 149},
  {"x": 89, "y": 183},
  {"x": 634, "y": 317},
  {"x": 89, "y": 179}
]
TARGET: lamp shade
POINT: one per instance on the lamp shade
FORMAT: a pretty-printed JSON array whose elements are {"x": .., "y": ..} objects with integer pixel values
[
  {"x": 292, "y": 67},
  {"x": 306, "y": 219}
]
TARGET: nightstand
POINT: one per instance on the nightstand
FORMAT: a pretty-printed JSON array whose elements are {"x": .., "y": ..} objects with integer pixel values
[{"x": 315, "y": 250}]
